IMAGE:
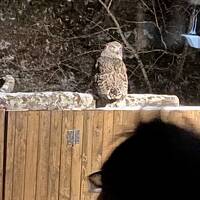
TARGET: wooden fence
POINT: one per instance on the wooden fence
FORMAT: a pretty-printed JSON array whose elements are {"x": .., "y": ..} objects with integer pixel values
[
  {"x": 2, "y": 118},
  {"x": 48, "y": 154}
]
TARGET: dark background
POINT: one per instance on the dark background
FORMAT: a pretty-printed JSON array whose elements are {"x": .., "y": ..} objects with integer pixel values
[{"x": 53, "y": 45}]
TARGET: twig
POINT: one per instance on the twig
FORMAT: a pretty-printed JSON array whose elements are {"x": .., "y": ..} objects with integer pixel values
[
  {"x": 157, "y": 24},
  {"x": 148, "y": 8},
  {"x": 92, "y": 34},
  {"x": 181, "y": 62},
  {"x": 70, "y": 58},
  {"x": 140, "y": 64},
  {"x": 139, "y": 22},
  {"x": 182, "y": 58},
  {"x": 162, "y": 16},
  {"x": 158, "y": 58},
  {"x": 110, "y": 3},
  {"x": 52, "y": 75},
  {"x": 159, "y": 50},
  {"x": 99, "y": 26}
]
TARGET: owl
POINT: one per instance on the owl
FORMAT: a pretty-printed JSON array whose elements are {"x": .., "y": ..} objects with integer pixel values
[
  {"x": 111, "y": 81},
  {"x": 7, "y": 84}
]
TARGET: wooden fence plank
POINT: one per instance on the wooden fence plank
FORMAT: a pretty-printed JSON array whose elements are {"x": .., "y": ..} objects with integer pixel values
[
  {"x": 107, "y": 134},
  {"x": 183, "y": 118},
  {"x": 147, "y": 115},
  {"x": 66, "y": 158},
  {"x": 118, "y": 121},
  {"x": 43, "y": 156},
  {"x": 54, "y": 156},
  {"x": 2, "y": 121},
  {"x": 97, "y": 140},
  {"x": 131, "y": 118},
  {"x": 86, "y": 154},
  {"x": 97, "y": 144},
  {"x": 10, "y": 155},
  {"x": 127, "y": 120},
  {"x": 124, "y": 121},
  {"x": 76, "y": 157},
  {"x": 118, "y": 127},
  {"x": 19, "y": 156},
  {"x": 31, "y": 155}
]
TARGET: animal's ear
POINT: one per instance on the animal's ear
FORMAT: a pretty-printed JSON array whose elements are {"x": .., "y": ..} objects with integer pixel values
[{"x": 95, "y": 183}]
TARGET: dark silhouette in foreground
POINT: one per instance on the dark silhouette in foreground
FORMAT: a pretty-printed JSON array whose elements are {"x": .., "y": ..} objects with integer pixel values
[{"x": 158, "y": 161}]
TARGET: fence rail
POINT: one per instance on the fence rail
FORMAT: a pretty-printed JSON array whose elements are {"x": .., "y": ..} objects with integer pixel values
[{"x": 48, "y": 154}]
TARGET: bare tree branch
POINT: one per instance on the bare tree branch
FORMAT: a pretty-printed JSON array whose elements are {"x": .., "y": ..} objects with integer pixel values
[
  {"x": 132, "y": 50},
  {"x": 157, "y": 24},
  {"x": 147, "y": 7},
  {"x": 110, "y": 3},
  {"x": 162, "y": 15}
]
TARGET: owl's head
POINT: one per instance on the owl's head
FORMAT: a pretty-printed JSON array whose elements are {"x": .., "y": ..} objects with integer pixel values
[
  {"x": 113, "y": 50},
  {"x": 8, "y": 79}
]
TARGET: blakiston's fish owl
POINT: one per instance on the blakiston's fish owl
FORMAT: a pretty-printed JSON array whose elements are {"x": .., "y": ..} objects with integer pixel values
[
  {"x": 111, "y": 81},
  {"x": 7, "y": 83}
]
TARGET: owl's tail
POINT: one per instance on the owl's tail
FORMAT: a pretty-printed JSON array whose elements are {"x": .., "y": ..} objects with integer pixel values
[{"x": 115, "y": 94}]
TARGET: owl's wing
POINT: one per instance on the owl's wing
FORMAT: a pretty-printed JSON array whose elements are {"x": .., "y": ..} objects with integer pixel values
[
  {"x": 104, "y": 83},
  {"x": 121, "y": 71},
  {"x": 111, "y": 79},
  {"x": 104, "y": 65}
]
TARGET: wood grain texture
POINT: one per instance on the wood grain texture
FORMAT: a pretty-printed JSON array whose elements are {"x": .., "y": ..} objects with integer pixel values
[
  {"x": 107, "y": 134},
  {"x": 2, "y": 121},
  {"x": 86, "y": 154},
  {"x": 31, "y": 155},
  {"x": 97, "y": 145},
  {"x": 43, "y": 156},
  {"x": 54, "y": 155},
  {"x": 66, "y": 157},
  {"x": 188, "y": 119},
  {"x": 130, "y": 120},
  {"x": 10, "y": 155},
  {"x": 118, "y": 127},
  {"x": 148, "y": 115},
  {"x": 19, "y": 155},
  {"x": 77, "y": 157}
]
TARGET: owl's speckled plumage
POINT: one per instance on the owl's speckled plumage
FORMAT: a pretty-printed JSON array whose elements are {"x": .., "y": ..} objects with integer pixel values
[{"x": 111, "y": 81}]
